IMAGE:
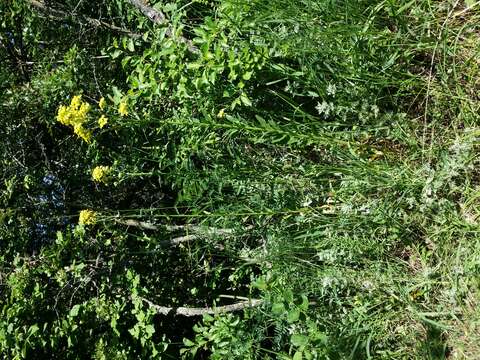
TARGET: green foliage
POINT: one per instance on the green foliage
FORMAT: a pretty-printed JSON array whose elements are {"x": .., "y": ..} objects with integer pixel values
[
  {"x": 319, "y": 157},
  {"x": 223, "y": 336}
]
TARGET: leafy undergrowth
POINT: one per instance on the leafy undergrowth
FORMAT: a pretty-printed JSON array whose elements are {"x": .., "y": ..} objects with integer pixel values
[{"x": 290, "y": 179}]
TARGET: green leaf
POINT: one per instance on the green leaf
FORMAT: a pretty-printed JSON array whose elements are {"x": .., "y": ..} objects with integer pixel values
[
  {"x": 278, "y": 308},
  {"x": 59, "y": 239},
  {"x": 298, "y": 356},
  {"x": 245, "y": 100},
  {"x": 208, "y": 318},
  {"x": 304, "y": 304},
  {"x": 188, "y": 342},
  {"x": 169, "y": 7},
  {"x": 293, "y": 315},
  {"x": 288, "y": 296},
  {"x": 116, "y": 53},
  {"x": 117, "y": 95},
  {"x": 150, "y": 330},
  {"x": 131, "y": 45},
  {"x": 260, "y": 283},
  {"x": 33, "y": 329},
  {"x": 247, "y": 75},
  {"x": 299, "y": 340},
  {"x": 74, "y": 310}
]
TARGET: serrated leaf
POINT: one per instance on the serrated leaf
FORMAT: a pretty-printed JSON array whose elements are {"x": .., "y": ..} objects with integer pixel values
[{"x": 169, "y": 7}]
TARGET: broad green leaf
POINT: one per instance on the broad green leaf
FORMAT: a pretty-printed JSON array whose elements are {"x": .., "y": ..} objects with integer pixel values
[
  {"x": 131, "y": 45},
  {"x": 278, "y": 308},
  {"x": 298, "y": 356},
  {"x": 293, "y": 315},
  {"x": 299, "y": 340},
  {"x": 74, "y": 310}
]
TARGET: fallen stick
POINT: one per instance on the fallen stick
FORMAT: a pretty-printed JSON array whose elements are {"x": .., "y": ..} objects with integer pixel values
[
  {"x": 189, "y": 228},
  {"x": 196, "y": 232},
  {"x": 187, "y": 311}
]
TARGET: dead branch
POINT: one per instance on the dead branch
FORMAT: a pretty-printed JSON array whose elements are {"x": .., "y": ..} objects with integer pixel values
[
  {"x": 188, "y": 228},
  {"x": 154, "y": 15},
  {"x": 140, "y": 224},
  {"x": 158, "y": 17},
  {"x": 187, "y": 311},
  {"x": 59, "y": 14},
  {"x": 195, "y": 232}
]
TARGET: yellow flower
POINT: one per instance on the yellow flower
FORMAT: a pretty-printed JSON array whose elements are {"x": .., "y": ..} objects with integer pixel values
[
  {"x": 122, "y": 109},
  {"x": 102, "y": 103},
  {"x": 87, "y": 217},
  {"x": 221, "y": 113},
  {"x": 100, "y": 173},
  {"x": 63, "y": 115},
  {"x": 76, "y": 102},
  {"x": 83, "y": 133},
  {"x": 83, "y": 110},
  {"x": 102, "y": 121},
  {"x": 75, "y": 115}
]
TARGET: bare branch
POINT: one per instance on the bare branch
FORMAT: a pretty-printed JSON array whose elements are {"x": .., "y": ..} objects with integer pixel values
[
  {"x": 154, "y": 15},
  {"x": 187, "y": 228},
  {"x": 140, "y": 224},
  {"x": 196, "y": 232},
  {"x": 187, "y": 311},
  {"x": 157, "y": 17},
  {"x": 59, "y": 14}
]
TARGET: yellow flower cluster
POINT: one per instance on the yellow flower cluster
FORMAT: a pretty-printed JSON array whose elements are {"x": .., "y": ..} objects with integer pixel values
[
  {"x": 102, "y": 121},
  {"x": 83, "y": 133},
  {"x": 100, "y": 173},
  {"x": 123, "y": 109},
  {"x": 75, "y": 115},
  {"x": 87, "y": 217}
]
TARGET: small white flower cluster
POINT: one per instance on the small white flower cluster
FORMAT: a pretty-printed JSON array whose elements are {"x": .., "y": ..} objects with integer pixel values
[
  {"x": 325, "y": 108},
  {"x": 330, "y": 255},
  {"x": 365, "y": 111}
]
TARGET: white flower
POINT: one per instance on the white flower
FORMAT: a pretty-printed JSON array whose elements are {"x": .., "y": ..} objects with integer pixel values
[
  {"x": 331, "y": 89},
  {"x": 324, "y": 108}
]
